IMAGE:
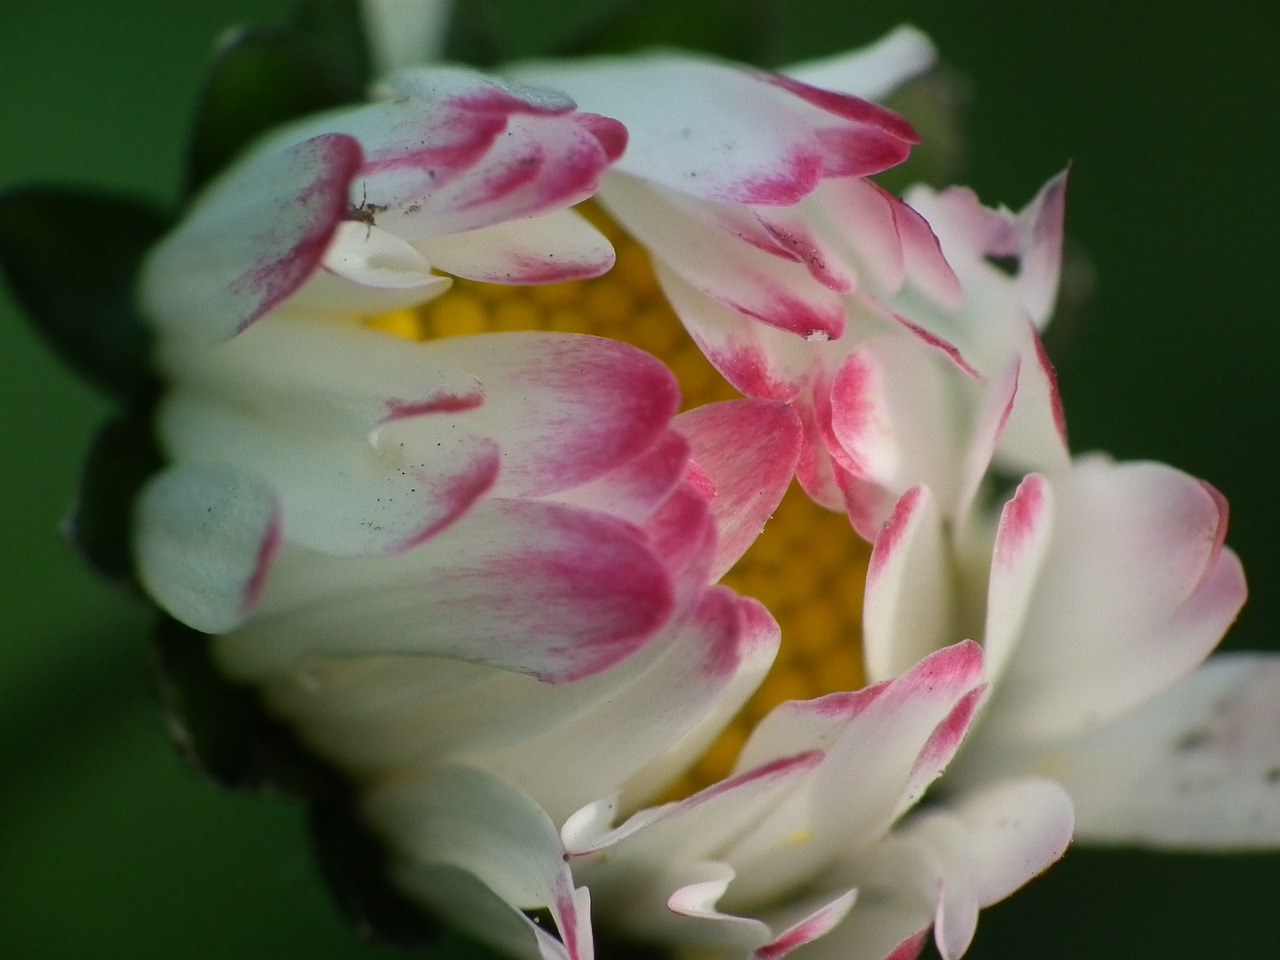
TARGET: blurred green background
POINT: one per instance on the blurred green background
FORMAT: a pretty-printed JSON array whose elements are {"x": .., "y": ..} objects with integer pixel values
[{"x": 110, "y": 847}]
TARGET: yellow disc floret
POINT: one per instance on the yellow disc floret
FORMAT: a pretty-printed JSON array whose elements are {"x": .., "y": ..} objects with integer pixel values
[{"x": 807, "y": 568}]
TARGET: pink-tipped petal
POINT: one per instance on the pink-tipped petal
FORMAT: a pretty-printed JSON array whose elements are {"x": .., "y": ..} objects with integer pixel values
[
  {"x": 758, "y": 360},
  {"x": 565, "y": 409},
  {"x": 879, "y": 737},
  {"x": 890, "y": 417},
  {"x": 699, "y": 825},
  {"x": 909, "y": 594},
  {"x": 205, "y": 537},
  {"x": 1040, "y": 227},
  {"x": 1022, "y": 540},
  {"x": 702, "y": 242},
  {"x": 738, "y": 136},
  {"x": 754, "y": 655},
  {"x": 1134, "y": 592},
  {"x": 253, "y": 238},
  {"x": 542, "y": 589},
  {"x": 692, "y": 667},
  {"x": 1035, "y": 436},
  {"x": 340, "y": 494},
  {"x": 641, "y": 484},
  {"x": 817, "y": 924},
  {"x": 748, "y": 449}
]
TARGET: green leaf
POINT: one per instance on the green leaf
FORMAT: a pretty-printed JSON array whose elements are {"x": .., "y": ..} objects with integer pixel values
[
  {"x": 746, "y": 30},
  {"x": 71, "y": 257},
  {"x": 334, "y": 30},
  {"x": 123, "y": 456},
  {"x": 522, "y": 29}
]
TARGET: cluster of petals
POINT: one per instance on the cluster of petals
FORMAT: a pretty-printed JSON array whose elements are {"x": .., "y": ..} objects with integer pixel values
[
  {"x": 465, "y": 570},
  {"x": 909, "y": 345}
]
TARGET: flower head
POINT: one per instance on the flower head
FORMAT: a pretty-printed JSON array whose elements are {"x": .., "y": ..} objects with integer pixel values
[{"x": 450, "y": 528}]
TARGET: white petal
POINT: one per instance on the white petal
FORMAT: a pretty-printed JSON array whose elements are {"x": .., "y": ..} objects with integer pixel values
[
  {"x": 550, "y": 248},
  {"x": 1197, "y": 768},
  {"x": 205, "y": 537},
  {"x": 987, "y": 844},
  {"x": 1134, "y": 592},
  {"x": 463, "y": 818},
  {"x": 873, "y": 71},
  {"x": 908, "y": 598}
]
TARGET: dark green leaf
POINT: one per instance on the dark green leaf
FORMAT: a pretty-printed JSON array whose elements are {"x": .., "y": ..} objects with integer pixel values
[
  {"x": 334, "y": 30},
  {"x": 473, "y": 35},
  {"x": 222, "y": 727},
  {"x": 71, "y": 257},
  {"x": 259, "y": 80},
  {"x": 123, "y": 455},
  {"x": 747, "y": 30},
  {"x": 522, "y": 29}
]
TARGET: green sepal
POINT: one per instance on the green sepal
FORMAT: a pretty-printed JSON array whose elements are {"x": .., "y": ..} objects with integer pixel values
[
  {"x": 71, "y": 257},
  {"x": 334, "y": 29},
  {"x": 485, "y": 32},
  {"x": 745, "y": 30},
  {"x": 123, "y": 456},
  {"x": 222, "y": 727},
  {"x": 355, "y": 865}
]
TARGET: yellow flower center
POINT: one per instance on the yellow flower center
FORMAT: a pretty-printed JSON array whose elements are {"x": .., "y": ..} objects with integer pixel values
[{"x": 808, "y": 567}]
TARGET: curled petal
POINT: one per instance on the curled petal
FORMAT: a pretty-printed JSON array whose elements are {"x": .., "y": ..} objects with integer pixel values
[
  {"x": 909, "y": 594},
  {"x": 550, "y": 248},
  {"x": 253, "y": 238},
  {"x": 205, "y": 538},
  {"x": 464, "y": 819},
  {"x": 1134, "y": 592}
]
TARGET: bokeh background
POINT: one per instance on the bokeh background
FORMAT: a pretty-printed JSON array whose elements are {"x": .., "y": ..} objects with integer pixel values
[{"x": 111, "y": 847}]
